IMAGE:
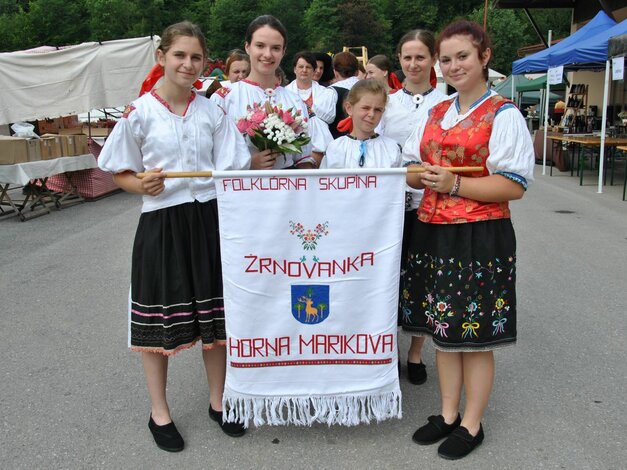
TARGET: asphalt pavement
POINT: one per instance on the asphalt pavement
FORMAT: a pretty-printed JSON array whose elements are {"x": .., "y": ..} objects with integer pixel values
[{"x": 73, "y": 396}]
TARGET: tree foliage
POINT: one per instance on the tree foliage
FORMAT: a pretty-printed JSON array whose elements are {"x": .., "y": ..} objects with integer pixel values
[
  {"x": 227, "y": 24},
  {"x": 323, "y": 25}
]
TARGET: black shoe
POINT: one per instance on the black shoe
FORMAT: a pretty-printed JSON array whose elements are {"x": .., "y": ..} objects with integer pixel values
[
  {"x": 435, "y": 430},
  {"x": 230, "y": 429},
  {"x": 460, "y": 443},
  {"x": 416, "y": 373},
  {"x": 166, "y": 437}
]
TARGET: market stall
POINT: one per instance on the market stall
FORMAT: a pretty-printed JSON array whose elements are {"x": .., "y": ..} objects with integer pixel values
[{"x": 49, "y": 83}]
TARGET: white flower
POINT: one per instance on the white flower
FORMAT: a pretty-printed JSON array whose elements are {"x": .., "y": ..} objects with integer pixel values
[{"x": 269, "y": 92}]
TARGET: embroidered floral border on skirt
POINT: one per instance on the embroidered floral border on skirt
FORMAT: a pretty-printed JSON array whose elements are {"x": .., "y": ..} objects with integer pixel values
[{"x": 459, "y": 285}]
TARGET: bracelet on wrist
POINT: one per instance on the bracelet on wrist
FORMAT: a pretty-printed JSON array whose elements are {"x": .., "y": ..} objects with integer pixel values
[{"x": 455, "y": 189}]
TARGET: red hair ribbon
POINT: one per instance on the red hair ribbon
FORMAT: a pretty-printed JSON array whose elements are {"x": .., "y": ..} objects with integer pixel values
[
  {"x": 345, "y": 125},
  {"x": 433, "y": 78},
  {"x": 393, "y": 82},
  {"x": 156, "y": 72}
]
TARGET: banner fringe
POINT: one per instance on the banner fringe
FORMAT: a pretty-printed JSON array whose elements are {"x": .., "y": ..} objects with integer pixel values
[{"x": 304, "y": 411}]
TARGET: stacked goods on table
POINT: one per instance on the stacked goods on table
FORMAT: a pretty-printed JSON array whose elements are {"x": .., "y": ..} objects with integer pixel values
[
  {"x": 74, "y": 137},
  {"x": 18, "y": 150}
]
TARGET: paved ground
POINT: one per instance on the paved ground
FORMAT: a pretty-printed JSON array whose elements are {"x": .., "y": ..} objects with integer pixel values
[{"x": 73, "y": 397}]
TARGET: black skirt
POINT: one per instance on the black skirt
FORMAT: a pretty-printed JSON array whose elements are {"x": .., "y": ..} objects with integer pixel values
[
  {"x": 176, "y": 279},
  {"x": 459, "y": 284}
]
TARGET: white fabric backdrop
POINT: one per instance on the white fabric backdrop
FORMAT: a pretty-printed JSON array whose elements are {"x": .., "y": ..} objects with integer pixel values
[
  {"x": 73, "y": 80},
  {"x": 311, "y": 275}
]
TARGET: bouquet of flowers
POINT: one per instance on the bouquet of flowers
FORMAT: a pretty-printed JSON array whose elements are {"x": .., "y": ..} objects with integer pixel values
[{"x": 272, "y": 127}]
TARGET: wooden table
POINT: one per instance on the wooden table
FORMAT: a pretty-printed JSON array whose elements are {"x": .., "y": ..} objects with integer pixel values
[
  {"x": 582, "y": 141},
  {"x": 37, "y": 174}
]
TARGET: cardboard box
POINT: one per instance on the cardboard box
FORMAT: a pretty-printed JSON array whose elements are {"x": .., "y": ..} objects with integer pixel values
[
  {"x": 50, "y": 147},
  {"x": 72, "y": 145},
  {"x": 71, "y": 131},
  {"x": 13, "y": 150},
  {"x": 34, "y": 150},
  {"x": 96, "y": 131},
  {"x": 49, "y": 126},
  {"x": 70, "y": 122}
]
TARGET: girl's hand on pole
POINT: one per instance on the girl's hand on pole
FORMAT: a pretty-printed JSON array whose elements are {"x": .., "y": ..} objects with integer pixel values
[
  {"x": 153, "y": 183},
  {"x": 437, "y": 178}
]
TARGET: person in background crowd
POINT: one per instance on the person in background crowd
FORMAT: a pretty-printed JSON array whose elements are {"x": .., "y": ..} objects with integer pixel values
[
  {"x": 345, "y": 68},
  {"x": 266, "y": 40},
  {"x": 323, "y": 73},
  {"x": 416, "y": 54},
  {"x": 319, "y": 99},
  {"x": 176, "y": 280},
  {"x": 379, "y": 68},
  {"x": 237, "y": 67},
  {"x": 460, "y": 285}
]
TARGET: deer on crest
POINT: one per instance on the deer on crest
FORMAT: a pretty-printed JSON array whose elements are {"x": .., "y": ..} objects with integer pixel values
[{"x": 310, "y": 310}]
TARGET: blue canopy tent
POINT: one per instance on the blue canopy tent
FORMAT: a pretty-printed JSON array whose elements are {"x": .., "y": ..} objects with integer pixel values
[
  {"x": 591, "y": 54},
  {"x": 539, "y": 62}
]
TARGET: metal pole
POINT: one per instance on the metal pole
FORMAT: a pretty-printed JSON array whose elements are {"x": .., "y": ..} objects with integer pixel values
[
  {"x": 546, "y": 115},
  {"x": 604, "y": 118}
]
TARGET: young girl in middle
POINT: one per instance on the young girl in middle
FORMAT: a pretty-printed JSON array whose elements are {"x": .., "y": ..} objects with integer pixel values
[{"x": 363, "y": 147}]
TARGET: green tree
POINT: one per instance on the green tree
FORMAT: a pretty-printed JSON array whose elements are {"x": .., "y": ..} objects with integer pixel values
[
  {"x": 322, "y": 306},
  {"x": 406, "y": 15},
  {"x": 363, "y": 24},
  {"x": 227, "y": 25},
  {"x": 58, "y": 22},
  {"x": 321, "y": 24},
  {"x": 507, "y": 29},
  {"x": 15, "y": 32},
  {"x": 111, "y": 19},
  {"x": 299, "y": 307}
]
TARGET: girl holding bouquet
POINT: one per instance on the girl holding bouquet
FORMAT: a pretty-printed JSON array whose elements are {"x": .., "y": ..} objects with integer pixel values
[
  {"x": 460, "y": 285},
  {"x": 266, "y": 41},
  {"x": 176, "y": 278}
]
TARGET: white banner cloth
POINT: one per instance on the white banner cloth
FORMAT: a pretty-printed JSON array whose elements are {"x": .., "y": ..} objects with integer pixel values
[{"x": 311, "y": 263}]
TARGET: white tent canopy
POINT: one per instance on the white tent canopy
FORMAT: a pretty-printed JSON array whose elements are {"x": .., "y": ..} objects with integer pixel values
[{"x": 74, "y": 79}]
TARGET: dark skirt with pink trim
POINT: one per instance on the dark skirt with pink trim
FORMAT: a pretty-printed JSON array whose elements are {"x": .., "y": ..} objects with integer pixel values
[{"x": 176, "y": 279}]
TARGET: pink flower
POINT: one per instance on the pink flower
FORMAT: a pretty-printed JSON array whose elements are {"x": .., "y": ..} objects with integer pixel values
[
  {"x": 287, "y": 118},
  {"x": 243, "y": 125},
  {"x": 258, "y": 117}
]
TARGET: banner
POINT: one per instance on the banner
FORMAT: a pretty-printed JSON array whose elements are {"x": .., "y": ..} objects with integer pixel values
[{"x": 311, "y": 263}]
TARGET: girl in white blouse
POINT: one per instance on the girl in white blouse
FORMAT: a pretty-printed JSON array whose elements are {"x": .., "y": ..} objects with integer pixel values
[
  {"x": 176, "y": 279},
  {"x": 266, "y": 41},
  {"x": 363, "y": 147}
]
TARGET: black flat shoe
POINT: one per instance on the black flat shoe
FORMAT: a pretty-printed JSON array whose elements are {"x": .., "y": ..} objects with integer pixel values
[
  {"x": 435, "y": 430},
  {"x": 460, "y": 443},
  {"x": 166, "y": 437},
  {"x": 230, "y": 429},
  {"x": 416, "y": 373}
]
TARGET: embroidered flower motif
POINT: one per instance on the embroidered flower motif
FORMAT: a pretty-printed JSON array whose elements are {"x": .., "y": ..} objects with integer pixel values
[
  {"x": 269, "y": 92},
  {"x": 309, "y": 238},
  {"x": 441, "y": 306},
  {"x": 499, "y": 304}
]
